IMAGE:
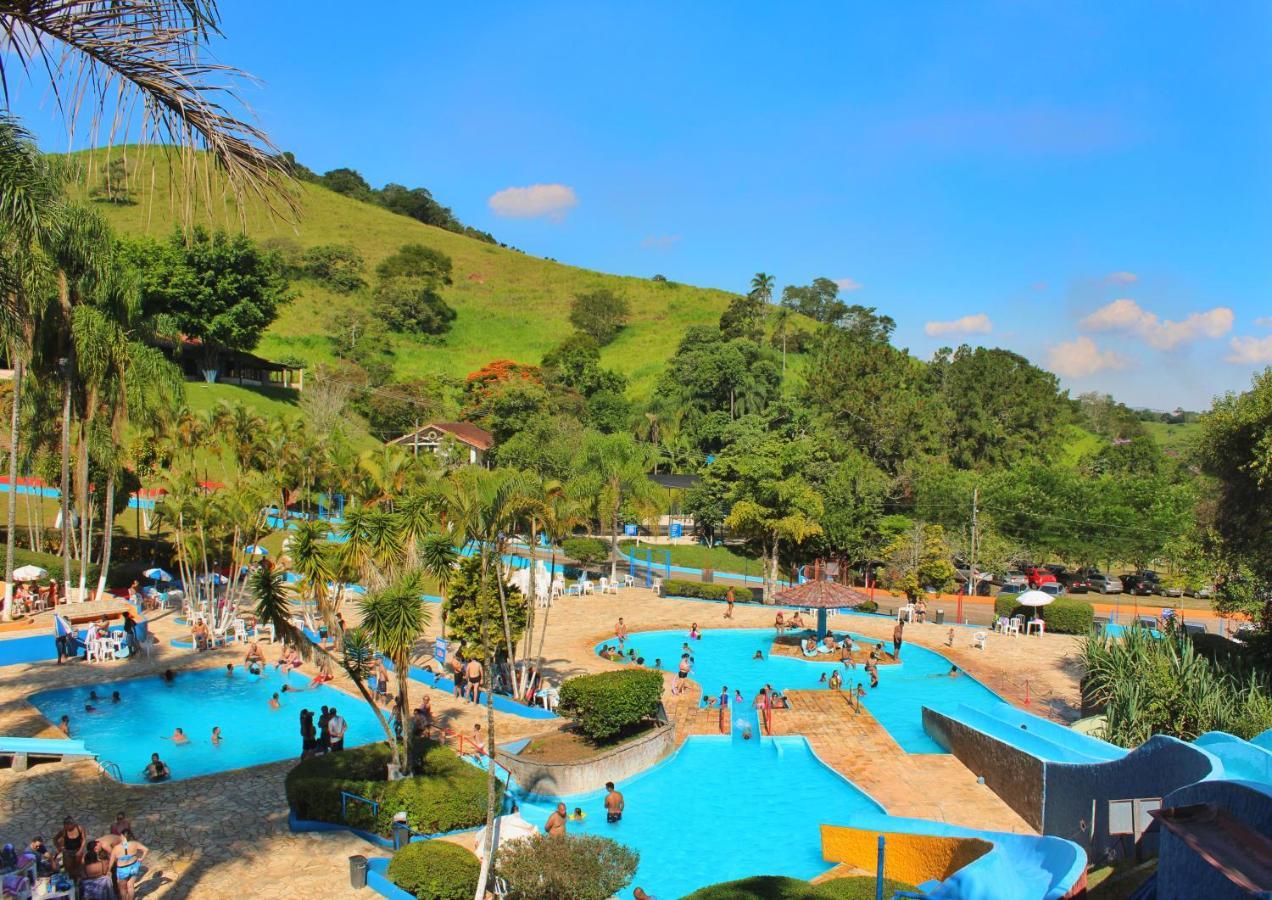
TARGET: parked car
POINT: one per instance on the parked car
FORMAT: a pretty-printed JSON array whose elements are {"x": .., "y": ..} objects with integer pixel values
[
  {"x": 1134, "y": 583},
  {"x": 1174, "y": 591},
  {"x": 1205, "y": 592},
  {"x": 1104, "y": 584},
  {"x": 1038, "y": 576},
  {"x": 1014, "y": 581},
  {"x": 1061, "y": 572},
  {"x": 1076, "y": 582},
  {"x": 1053, "y": 588}
]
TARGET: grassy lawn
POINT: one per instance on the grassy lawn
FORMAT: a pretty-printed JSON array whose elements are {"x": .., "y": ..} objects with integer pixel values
[
  {"x": 1075, "y": 443},
  {"x": 722, "y": 559},
  {"x": 493, "y": 287},
  {"x": 1174, "y": 438},
  {"x": 267, "y": 401}
]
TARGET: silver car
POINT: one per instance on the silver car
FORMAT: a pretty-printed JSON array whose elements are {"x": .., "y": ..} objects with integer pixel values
[
  {"x": 1104, "y": 584},
  {"x": 1015, "y": 581}
]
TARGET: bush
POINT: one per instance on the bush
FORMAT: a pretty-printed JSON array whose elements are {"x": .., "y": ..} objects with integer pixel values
[
  {"x": 1064, "y": 615},
  {"x": 447, "y": 794},
  {"x": 570, "y": 867},
  {"x": 775, "y": 887},
  {"x": 586, "y": 550},
  {"x": 606, "y": 705},
  {"x": 678, "y": 587},
  {"x": 435, "y": 870},
  {"x": 868, "y": 607}
]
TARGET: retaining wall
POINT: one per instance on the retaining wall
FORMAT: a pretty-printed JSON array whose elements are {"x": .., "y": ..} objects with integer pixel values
[{"x": 561, "y": 779}]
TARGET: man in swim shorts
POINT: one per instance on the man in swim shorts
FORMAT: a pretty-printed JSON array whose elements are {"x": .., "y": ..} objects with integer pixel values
[
  {"x": 613, "y": 804},
  {"x": 336, "y": 728},
  {"x": 473, "y": 673},
  {"x": 158, "y": 769},
  {"x": 556, "y": 822}
]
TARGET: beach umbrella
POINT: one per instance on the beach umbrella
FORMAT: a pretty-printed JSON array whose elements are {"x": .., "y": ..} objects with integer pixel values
[
  {"x": 157, "y": 574},
  {"x": 1034, "y": 598},
  {"x": 507, "y": 828},
  {"x": 255, "y": 550},
  {"x": 822, "y": 596},
  {"x": 30, "y": 573},
  {"x": 213, "y": 578},
  {"x": 61, "y": 627}
]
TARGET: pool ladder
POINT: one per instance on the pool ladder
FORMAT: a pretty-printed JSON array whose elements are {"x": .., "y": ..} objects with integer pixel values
[{"x": 111, "y": 769}]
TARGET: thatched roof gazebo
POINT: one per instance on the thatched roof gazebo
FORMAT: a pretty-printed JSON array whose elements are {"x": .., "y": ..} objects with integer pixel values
[{"x": 822, "y": 596}]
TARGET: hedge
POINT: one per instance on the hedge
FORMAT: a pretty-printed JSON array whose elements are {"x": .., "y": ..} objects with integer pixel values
[
  {"x": 448, "y": 794},
  {"x": 1063, "y": 615},
  {"x": 589, "y": 551},
  {"x": 569, "y": 867},
  {"x": 678, "y": 587},
  {"x": 606, "y": 705},
  {"x": 776, "y": 887},
  {"x": 868, "y": 606},
  {"x": 435, "y": 870}
]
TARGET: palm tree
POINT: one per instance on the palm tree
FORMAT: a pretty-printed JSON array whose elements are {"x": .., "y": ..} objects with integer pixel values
[
  {"x": 311, "y": 559},
  {"x": 614, "y": 471},
  {"x": 558, "y": 514},
  {"x": 146, "y": 54},
  {"x": 394, "y": 619},
  {"x": 782, "y": 316},
  {"x": 438, "y": 557},
  {"x": 762, "y": 287}
]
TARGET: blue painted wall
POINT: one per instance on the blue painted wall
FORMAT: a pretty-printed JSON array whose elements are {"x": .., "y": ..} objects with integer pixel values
[{"x": 1181, "y": 873}]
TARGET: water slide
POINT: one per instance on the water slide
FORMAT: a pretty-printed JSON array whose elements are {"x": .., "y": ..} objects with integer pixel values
[
  {"x": 21, "y": 749},
  {"x": 1242, "y": 760},
  {"x": 1037, "y": 736}
]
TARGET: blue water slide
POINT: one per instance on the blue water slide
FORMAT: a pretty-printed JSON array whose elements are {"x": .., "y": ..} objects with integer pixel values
[
  {"x": 1242, "y": 760},
  {"x": 1037, "y": 736}
]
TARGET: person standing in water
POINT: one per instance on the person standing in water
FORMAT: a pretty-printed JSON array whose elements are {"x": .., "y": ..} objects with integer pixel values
[
  {"x": 614, "y": 804},
  {"x": 898, "y": 635},
  {"x": 556, "y": 822},
  {"x": 724, "y": 709}
]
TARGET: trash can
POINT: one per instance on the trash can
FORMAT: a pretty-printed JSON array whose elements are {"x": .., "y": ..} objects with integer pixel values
[
  {"x": 357, "y": 872},
  {"x": 708, "y": 576},
  {"x": 401, "y": 835},
  {"x": 940, "y": 617}
]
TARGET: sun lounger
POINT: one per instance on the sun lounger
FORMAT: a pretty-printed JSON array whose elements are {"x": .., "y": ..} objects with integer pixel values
[{"x": 23, "y": 748}]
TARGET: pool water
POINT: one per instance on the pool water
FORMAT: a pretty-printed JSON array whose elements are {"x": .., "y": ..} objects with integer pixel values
[
  {"x": 726, "y": 657},
  {"x": 720, "y": 809},
  {"x": 128, "y": 732}
]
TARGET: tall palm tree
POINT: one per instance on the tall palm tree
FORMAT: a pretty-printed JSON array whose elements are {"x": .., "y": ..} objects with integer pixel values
[
  {"x": 762, "y": 287},
  {"x": 311, "y": 559},
  {"x": 394, "y": 619},
  {"x": 101, "y": 55},
  {"x": 558, "y": 514},
  {"x": 613, "y": 470},
  {"x": 782, "y": 316},
  {"x": 438, "y": 557}
]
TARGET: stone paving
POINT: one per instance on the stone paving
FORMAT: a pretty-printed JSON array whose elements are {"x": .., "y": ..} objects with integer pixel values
[{"x": 226, "y": 835}]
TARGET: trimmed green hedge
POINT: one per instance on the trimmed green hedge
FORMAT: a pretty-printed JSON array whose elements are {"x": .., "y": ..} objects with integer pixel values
[
  {"x": 589, "y": 551},
  {"x": 1063, "y": 615},
  {"x": 447, "y": 795},
  {"x": 435, "y": 870},
  {"x": 775, "y": 887},
  {"x": 867, "y": 607},
  {"x": 679, "y": 587},
  {"x": 606, "y": 705}
]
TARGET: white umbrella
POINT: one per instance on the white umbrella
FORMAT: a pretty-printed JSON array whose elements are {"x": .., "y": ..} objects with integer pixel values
[
  {"x": 157, "y": 575},
  {"x": 214, "y": 578},
  {"x": 1034, "y": 598},
  {"x": 29, "y": 573},
  {"x": 507, "y": 828}
]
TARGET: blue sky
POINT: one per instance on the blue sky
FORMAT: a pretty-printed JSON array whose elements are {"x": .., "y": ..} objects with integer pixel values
[{"x": 1085, "y": 183}]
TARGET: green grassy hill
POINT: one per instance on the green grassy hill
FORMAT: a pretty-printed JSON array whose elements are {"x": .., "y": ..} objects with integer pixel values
[{"x": 510, "y": 305}]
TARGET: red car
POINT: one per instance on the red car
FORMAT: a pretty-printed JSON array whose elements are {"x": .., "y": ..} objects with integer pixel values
[{"x": 1039, "y": 576}]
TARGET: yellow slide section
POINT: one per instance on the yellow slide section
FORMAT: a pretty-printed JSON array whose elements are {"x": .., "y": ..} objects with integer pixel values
[{"x": 911, "y": 858}]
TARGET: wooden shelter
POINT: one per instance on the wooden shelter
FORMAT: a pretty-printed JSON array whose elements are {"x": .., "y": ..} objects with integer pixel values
[{"x": 822, "y": 596}]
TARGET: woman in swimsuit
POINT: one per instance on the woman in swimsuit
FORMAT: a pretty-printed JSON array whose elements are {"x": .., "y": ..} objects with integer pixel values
[
  {"x": 72, "y": 842},
  {"x": 95, "y": 877},
  {"x": 127, "y": 857}
]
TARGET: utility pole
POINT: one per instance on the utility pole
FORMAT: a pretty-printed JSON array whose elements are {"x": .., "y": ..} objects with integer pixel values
[{"x": 971, "y": 571}]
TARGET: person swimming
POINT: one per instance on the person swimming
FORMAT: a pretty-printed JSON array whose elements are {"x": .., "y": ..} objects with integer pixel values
[
  {"x": 273, "y": 702},
  {"x": 759, "y": 654},
  {"x": 229, "y": 670},
  {"x": 114, "y": 697},
  {"x": 216, "y": 735},
  {"x": 578, "y": 815},
  {"x": 169, "y": 676},
  {"x": 179, "y": 736}
]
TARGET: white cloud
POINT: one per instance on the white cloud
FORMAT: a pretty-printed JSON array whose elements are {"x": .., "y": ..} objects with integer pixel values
[
  {"x": 660, "y": 241},
  {"x": 1081, "y": 357},
  {"x": 1121, "y": 278},
  {"x": 550, "y": 200},
  {"x": 1128, "y": 316},
  {"x": 848, "y": 284},
  {"x": 1264, "y": 322},
  {"x": 1250, "y": 351},
  {"x": 977, "y": 324}
]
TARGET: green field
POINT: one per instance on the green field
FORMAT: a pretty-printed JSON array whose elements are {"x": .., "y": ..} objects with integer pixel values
[
  {"x": 696, "y": 556},
  {"x": 1174, "y": 439},
  {"x": 511, "y": 305}
]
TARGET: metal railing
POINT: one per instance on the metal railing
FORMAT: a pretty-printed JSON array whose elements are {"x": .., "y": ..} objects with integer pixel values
[
  {"x": 346, "y": 796},
  {"x": 111, "y": 769}
]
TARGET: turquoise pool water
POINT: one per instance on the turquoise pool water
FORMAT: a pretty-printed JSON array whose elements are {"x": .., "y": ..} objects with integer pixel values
[
  {"x": 721, "y": 809},
  {"x": 128, "y": 732},
  {"x": 726, "y": 657}
]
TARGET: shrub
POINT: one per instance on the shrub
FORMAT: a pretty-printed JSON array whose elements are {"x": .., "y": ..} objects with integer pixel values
[
  {"x": 446, "y": 795},
  {"x": 868, "y": 607},
  {"x": 678, "y": 587},
  {"x": 588, "y": 551},
  {"x": 776, "y": 887},
  {"x": 435, "y": 870},
  {"x": 606, "y": 705},
  {"x": 1064, "y": 615},
  {"x": 569, "y": 867}
]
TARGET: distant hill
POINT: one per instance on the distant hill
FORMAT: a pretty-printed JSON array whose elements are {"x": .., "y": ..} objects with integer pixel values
[{"x": 510, "y": 305}]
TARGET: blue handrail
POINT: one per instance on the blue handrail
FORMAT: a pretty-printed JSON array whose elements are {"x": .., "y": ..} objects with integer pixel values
[{"x": 345, "y": 796}]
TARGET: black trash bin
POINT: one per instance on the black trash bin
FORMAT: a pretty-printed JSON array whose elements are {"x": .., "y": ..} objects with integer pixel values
[
  {"x": 357, "y": 872},
  {"x": 940, "y": 617},
  {"x": 401, "y": 835}
]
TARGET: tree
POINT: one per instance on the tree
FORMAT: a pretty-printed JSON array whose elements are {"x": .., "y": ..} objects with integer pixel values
[
  {"x": 744, "y": 318},
  {"x": 339, "y": 266},
  {"x": 394, "y": 619},
  {"x": 919, "y": 560},
  {"x": 613, "y": 470},
  {"x": 412, "y": 306},
  {"x": 348, "y": 182},
  {"x": 818, "y": 301},
  {"x": 417, "y": 261},
  {"x": 600, "y": 313},
  {"x": 771, "y": 500},
  {"x": 112, "y": 186},
  {"x": 762, "y": 287},
  {"x": 218, "y": 289}
]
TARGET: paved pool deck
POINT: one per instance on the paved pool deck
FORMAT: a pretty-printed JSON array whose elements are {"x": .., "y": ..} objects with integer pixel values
[{"x": 226, "y": 835}]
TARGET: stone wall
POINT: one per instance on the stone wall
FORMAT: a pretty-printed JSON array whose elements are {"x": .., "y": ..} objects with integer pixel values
[{"x": 562, "y": 779}]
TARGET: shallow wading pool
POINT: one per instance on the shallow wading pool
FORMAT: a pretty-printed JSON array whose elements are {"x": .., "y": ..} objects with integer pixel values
[{"x": 126, "y": 733}]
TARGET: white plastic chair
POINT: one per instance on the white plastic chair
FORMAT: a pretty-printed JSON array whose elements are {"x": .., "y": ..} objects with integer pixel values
[
  {"x": 628, "y": 581},
  {"x": 979, "y": 640},
  {"x": 240, "y": 631},
  {"x": 604, "y": 585},
  {"x": 1013, "y": 625},
  {"x": 658, "y": 586},
  {"x": 586, "y": 586},
  {"x": 609, "y": 587}
]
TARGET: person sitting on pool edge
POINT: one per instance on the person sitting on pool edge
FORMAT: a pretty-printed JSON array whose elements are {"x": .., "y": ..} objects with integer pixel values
[{"x": 158, "y": 769}]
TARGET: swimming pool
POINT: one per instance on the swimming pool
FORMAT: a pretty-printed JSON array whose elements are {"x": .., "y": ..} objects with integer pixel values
[
  {"x": 128, "y": 732},
  {"x": 721, "y": 809},
  {"x": 726, "y": 657}
]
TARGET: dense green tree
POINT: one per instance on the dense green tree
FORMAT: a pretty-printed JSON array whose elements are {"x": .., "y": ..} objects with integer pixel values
[
  {"x": 575, "y": 363},
  {"x": 412, "y": 306},
  {"x": 999, "y": 408},
  {"x": 214, "y": 287},
  {"x": 744, "y": 318},
  {"x": 818, "y": 301},
  {"x": 612, "y": 470},
  {"x": 339, "y": 266},
  {"x": 348, "y": 182},
  {"x": 417, "y": 261},
  {"x": 545, "y": 446},
  {"x": 418, "y": 203},
  {"x": 1139, "y": 455},
  {"x": 919, "y": 560},
  {"x": 600, "y": 313},
  {"x": 712, "y": 374},
  {"x": 855, "y": 494}
]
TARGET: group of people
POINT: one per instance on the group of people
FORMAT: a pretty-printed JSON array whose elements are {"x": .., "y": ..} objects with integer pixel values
[
  {"x": 100, "y": 868},
  {"x": 31, "y": 598},
  {"x": 327, "y": 735},
  {"x": 467, "y": 675}
]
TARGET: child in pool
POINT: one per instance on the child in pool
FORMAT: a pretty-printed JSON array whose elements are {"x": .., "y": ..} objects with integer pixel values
[{"x": 578, "y": 815}]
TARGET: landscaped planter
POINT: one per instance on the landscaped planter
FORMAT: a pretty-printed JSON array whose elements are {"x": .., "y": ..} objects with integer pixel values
[{"x": 561, "y": 779}]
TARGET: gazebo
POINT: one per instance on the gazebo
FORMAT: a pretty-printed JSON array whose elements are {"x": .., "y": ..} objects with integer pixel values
[{"x": 822, "y": 596}]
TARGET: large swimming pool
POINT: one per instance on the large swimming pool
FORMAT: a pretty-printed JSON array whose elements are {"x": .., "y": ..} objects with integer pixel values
[
  {"x": 721, "y": 809},
  {"x": 726, "y": 657},
  {"x": 127, "y": 733}
]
